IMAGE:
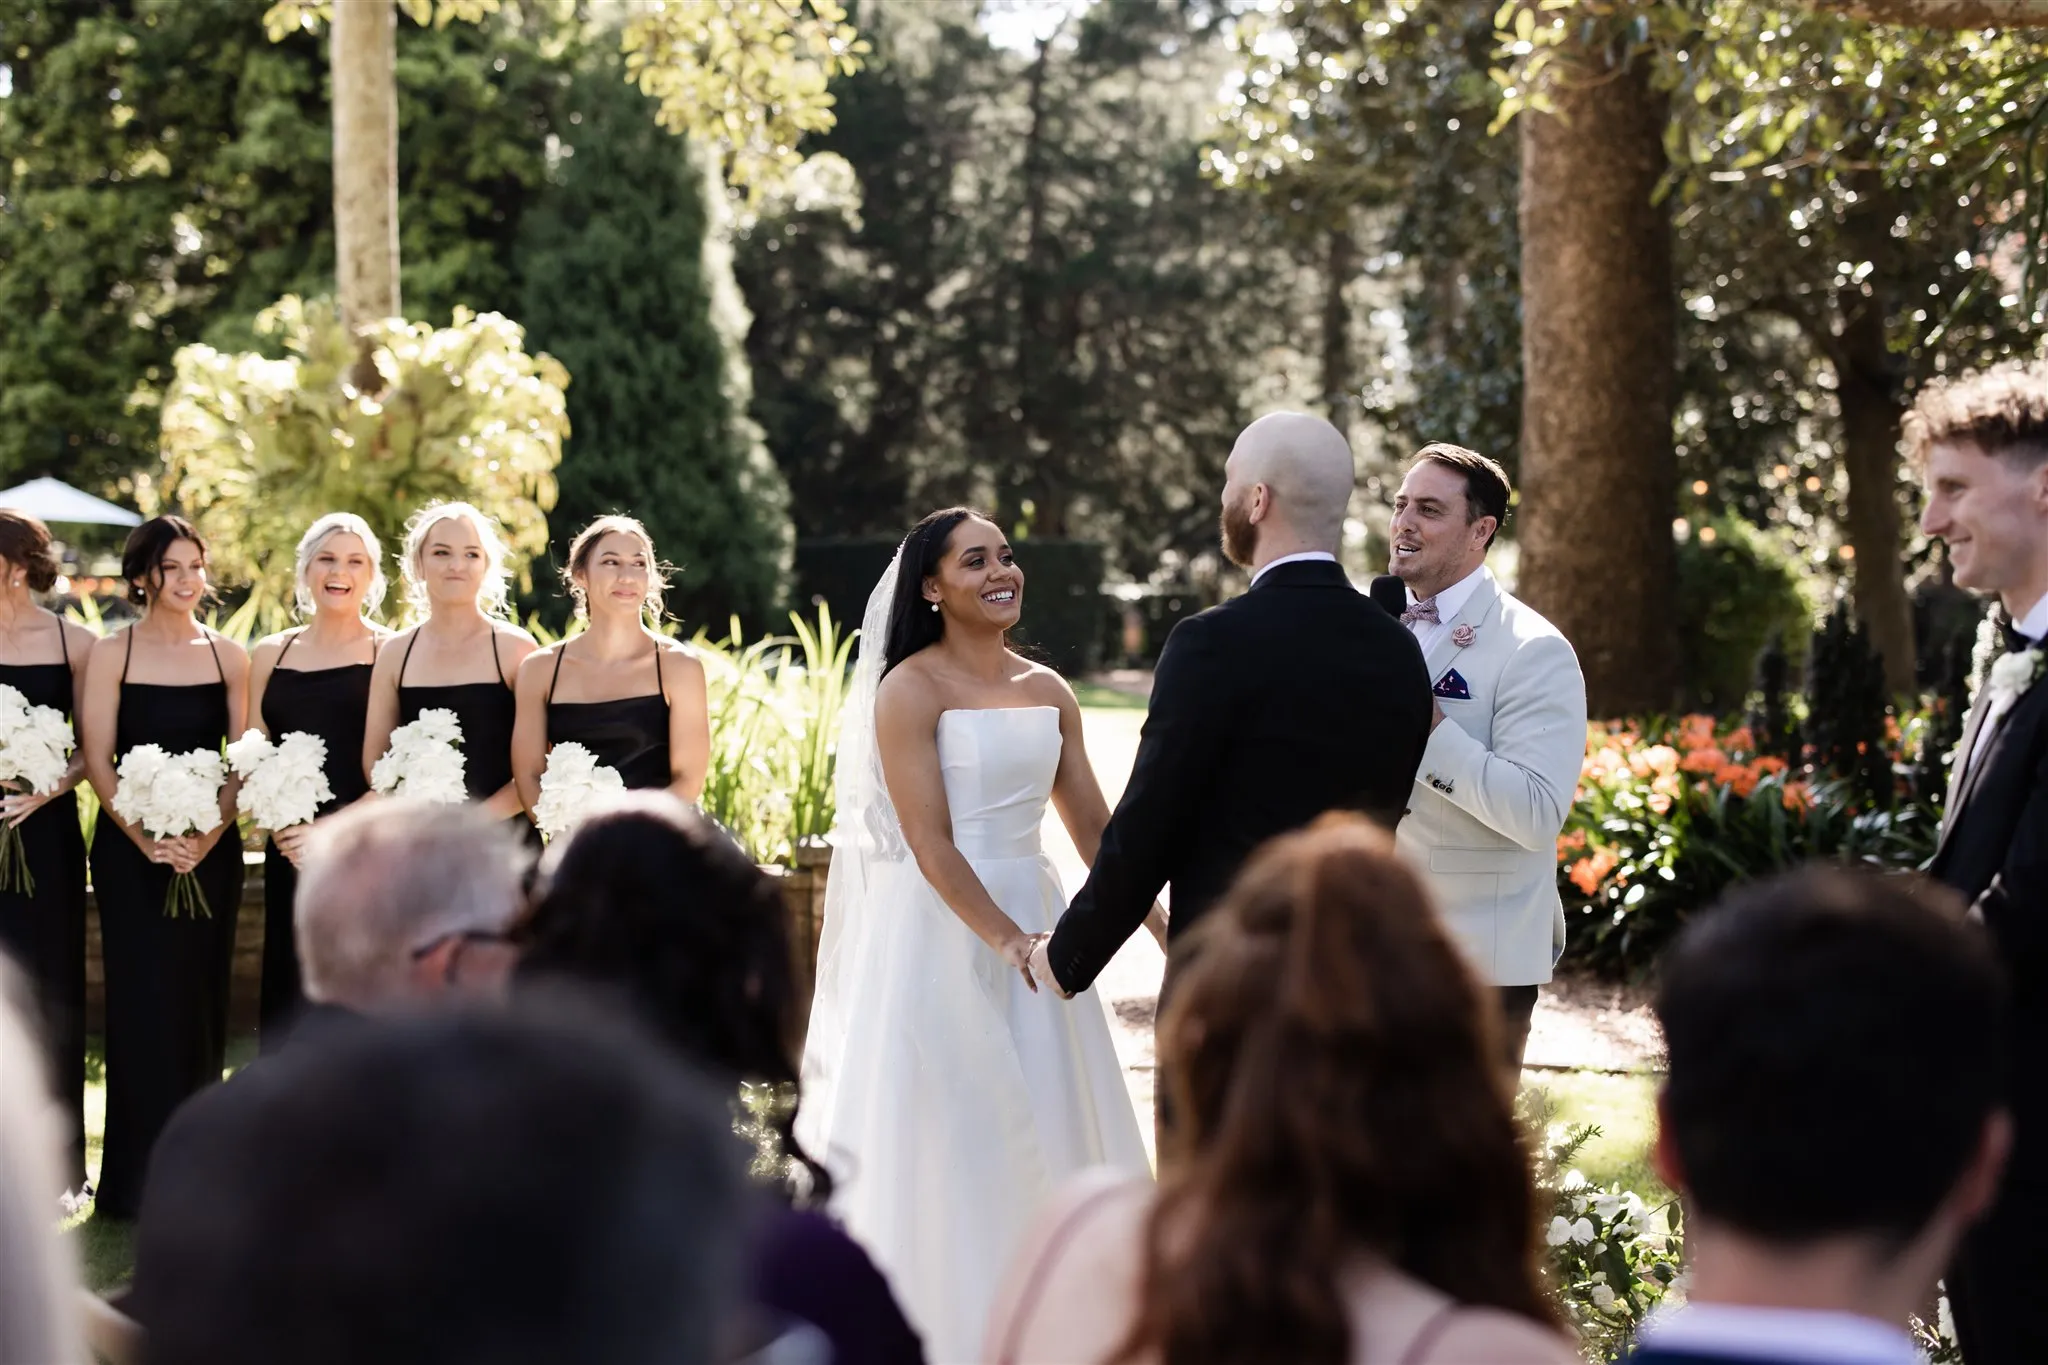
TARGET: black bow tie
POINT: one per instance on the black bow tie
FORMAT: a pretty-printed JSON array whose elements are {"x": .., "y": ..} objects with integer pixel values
[{"x": 2015, "y": 640}]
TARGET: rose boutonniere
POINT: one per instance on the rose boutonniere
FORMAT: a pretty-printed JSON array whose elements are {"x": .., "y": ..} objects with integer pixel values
[
  {"x": 1462, "y": 636},
  {"x": 2013, "y": 674}
]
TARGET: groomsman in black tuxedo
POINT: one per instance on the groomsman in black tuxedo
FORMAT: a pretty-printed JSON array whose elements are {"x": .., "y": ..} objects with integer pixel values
[
  {"x": 1300, "y": 697},
  {"x": 1981, "y": 447}
]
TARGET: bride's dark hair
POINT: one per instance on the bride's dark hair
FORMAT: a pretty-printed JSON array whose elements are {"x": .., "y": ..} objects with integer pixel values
[
  {"x": 912, "y": 622},
  {"x": 1337, "y": 1089}
]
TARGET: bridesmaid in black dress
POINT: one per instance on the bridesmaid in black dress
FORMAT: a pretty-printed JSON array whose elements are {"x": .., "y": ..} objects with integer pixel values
[
  {"x": 315, "y": 679},
  {"x": 43, "y": 656},
  {"x": 166, "y": 680},
  {"x": 461, "y": 657},
  {"x": 635, "y": 698}
]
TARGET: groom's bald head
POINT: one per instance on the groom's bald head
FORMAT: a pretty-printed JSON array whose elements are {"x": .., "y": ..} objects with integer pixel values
[{"x": 1287, "y": 487}]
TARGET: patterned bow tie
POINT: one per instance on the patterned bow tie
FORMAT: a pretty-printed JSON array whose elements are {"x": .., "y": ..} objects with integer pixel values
[{"x": 1425, "y": 610}]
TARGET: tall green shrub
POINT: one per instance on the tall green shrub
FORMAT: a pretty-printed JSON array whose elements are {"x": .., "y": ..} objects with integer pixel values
[
  {"x": 1736, "y": 589},
  {"x": 1846, "y": 708},
  {"x": 626, "y": 279}
]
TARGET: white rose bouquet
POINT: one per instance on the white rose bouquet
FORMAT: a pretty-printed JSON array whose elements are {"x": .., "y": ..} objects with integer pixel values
[
  {"x": 573, "y": 783},
  {"x": 35, "y": 753},
  {"x": 423, "y": 760},
  {"x": 171, "y": 795},
  {"x": 283, "y": 783}
]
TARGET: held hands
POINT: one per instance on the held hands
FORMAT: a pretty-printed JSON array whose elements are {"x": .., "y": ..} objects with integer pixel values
[
  {"x": 1040, "y": 968},
  {"x": 1018, "y": 950},
  {"x": 183, "y": 852}
]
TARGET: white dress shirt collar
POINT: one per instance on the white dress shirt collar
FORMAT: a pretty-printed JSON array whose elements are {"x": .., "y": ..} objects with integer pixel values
[
  {"x": 1452, "y": 600},
  {"x": 2034, "y": 625},
  {"x": 1305, "y": 557},
  {"x": 1736, "y": 1331}
]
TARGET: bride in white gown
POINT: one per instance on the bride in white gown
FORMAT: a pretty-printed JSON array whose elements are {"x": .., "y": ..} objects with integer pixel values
[{"x": 947, "y": 1095}]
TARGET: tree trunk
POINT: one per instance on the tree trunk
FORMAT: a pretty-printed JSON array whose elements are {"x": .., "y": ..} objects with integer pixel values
[
  {"x": 1599, "y": 477},
  {"x": 364, "y": 54},
  {"x": 1340, "y": 386},
  {"x": 1870, "y": 453}
]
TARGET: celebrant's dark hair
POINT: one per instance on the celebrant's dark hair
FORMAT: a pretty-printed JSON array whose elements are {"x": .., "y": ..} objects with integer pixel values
[
  {"x": 912, "y": 623},
  {"x": 654, "y": 904},
  {"x": 142, "y": 558}
]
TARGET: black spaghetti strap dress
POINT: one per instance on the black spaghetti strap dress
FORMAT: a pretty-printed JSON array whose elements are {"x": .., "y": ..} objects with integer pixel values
[
  {"x": 333, "y": 703},
  {"x": 167, "y": 979},
  {"x": 45, "y": 931},
  {"x": 485, "y": 710},
  {"x": 629, "y": 734}
]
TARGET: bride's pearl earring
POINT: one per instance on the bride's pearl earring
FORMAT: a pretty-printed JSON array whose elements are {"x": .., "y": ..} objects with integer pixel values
[{"x": 935, "y": 606}]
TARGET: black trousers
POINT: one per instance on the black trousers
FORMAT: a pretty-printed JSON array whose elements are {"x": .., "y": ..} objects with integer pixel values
[
  {"x": 1517, "y": 1008},
  {"x": 1995, "y": 1282}
]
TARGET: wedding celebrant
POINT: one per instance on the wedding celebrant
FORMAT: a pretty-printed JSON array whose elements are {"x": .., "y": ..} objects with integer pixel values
[{"x": 1507, "y": 731}]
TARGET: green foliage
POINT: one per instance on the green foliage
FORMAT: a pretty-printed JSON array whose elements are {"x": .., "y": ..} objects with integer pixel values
[
  {"x": 166, "y": 174},
  {"x": 747, "y": 76},
  {"x": 1737, "y": 590},
  {"x": 625, "y": 276},
  {"x": 1847, "y": 709},
  {"x": 1669, "y": 817},
  {"x": 1025, "y": 295},
  {"x": 1612, "y": 1256},
  {"x": 1065, "y": 613},
  {"x": 775, "y": 708},
  {"x": 840, "y": 573},
  {"x": 254, "y": 450}
]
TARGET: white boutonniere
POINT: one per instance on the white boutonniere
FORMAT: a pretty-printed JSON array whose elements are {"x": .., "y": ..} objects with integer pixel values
[{"x": 2013, "y": 674}]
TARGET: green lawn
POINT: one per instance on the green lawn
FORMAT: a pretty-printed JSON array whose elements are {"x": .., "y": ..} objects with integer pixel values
[
  {"x": 1625, "y": 1108},
  {"x": 1096, "y": 697}
]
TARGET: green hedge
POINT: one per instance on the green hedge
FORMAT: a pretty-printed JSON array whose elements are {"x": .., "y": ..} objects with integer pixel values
[{"x": 1066, "y": 615}]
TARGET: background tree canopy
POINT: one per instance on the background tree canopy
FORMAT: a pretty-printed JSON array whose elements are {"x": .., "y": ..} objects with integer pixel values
[{"x": 1051, "y": 258}]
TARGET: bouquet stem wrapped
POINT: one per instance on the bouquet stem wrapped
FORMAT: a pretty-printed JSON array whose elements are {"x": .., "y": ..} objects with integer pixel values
[{"x": 171, "y": 795}]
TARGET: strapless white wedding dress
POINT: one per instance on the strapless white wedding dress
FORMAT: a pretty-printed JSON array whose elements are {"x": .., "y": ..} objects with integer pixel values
[{"x": 946, "y": 1098}]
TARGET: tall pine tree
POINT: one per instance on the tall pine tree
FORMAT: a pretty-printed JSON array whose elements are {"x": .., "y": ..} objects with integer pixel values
[{"x": 625, "y": 278}]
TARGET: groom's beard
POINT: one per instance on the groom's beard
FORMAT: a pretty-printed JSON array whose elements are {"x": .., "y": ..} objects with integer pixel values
[{"x": 1240, "y": 537}]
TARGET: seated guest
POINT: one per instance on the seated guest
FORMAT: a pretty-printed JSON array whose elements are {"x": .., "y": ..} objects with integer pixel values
[
  {"x": 529, "y": 1188},
  {"x": 1834, "y": 1115},
  {"x": 401, "y": 901},
  {"x": 38, "y": 1282},
  {"x": 653, "y": 905},
  {"x": 1347, "y": 1184}
]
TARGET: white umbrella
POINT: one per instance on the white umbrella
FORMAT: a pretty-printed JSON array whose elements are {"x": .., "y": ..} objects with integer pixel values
[{"x": 55, "y": 500}]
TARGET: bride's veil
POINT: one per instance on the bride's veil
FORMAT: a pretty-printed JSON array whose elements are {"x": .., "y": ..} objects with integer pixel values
[{"x": 866, "y": 834}]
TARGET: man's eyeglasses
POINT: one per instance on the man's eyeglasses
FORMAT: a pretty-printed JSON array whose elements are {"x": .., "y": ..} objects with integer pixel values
[{"x": 462, "y": 942}]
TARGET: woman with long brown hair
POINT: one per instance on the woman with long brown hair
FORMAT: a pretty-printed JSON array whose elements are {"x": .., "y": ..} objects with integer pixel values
[{"x": 1345, "y": 1183}]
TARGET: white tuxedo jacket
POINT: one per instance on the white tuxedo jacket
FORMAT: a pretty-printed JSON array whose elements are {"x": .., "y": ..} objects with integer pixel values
[{"x": 1497, "y": 782}]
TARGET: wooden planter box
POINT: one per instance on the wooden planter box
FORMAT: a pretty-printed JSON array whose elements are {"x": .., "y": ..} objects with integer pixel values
[{"x": 803, "y": 891}]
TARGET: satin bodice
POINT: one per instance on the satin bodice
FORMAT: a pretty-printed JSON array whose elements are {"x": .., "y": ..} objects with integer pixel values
[
  {"x": 333, "y": 703},
  {"x": 998, "y": 767}
]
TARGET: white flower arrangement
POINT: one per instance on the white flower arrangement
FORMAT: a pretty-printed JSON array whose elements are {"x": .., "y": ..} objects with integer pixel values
[
  {"x": 283, "y": 783},
  {"x": 424, "y": 760},
  {"x": 573, "y": 783},
  {"x": 171, "y": 795},
  {"x": 35, "y": 753},
  {"x": 2014, "y": 674}
]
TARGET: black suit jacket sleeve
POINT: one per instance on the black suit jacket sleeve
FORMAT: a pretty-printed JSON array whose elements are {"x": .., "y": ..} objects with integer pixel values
[
  {"x": 2011, "y": 905},
  {"x": 1175, "y": 751}
]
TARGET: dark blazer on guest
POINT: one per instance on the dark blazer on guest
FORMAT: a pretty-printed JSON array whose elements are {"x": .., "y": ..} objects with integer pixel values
[
  {"x": 1994, "y": 850},
  {"x": 1299, "y": 697}
]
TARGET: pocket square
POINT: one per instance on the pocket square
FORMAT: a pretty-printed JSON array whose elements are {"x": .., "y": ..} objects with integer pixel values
[{"x": 1452, "y": 686}]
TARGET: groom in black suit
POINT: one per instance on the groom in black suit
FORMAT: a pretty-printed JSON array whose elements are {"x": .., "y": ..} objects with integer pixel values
[
  {"x": 1981, "y": 445},
  {"x": 1300, "y": 697}
]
